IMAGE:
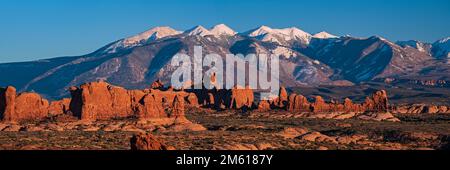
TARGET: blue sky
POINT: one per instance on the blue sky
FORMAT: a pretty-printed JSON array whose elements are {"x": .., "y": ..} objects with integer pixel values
[{"x": 31, "y": 29}]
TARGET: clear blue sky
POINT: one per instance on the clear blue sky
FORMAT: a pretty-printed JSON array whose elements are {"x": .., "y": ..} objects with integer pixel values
[{"x": 37, "y": 29}]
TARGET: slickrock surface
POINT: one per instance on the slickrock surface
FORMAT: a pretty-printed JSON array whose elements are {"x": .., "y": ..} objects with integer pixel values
[{"x": 420, "y": 109}]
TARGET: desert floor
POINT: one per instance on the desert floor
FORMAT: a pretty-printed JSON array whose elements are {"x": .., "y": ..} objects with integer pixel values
[{"x": 234, "y": 130}]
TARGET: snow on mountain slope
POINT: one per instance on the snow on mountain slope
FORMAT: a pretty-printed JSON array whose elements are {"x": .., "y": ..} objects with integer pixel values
[
  {"x": 441, "y": 48},
  {"x": 267, "y": 34},
  {"x": 198, "y": 30},
  {"x": 262, "y": 30},
  {"x": 324, "y": 35},
  {"x": 296, "y": 68},
  {"x": 222, "y": 29},
  {"x": 153, "y": 34},
  {"x": 360, "y": 60},
  {"x": 284, "y": 52},
  {"x": 142, "y": 38},
  {"x": 136, "y": 61},
  {"x": 421, "y": 46},
  {"x": 295, "y": 33}
]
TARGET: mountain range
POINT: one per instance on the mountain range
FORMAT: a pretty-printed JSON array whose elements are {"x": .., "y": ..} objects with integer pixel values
[{"x": 306, "y": 59}]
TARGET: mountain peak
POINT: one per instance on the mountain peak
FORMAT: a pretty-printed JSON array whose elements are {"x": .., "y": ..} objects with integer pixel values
[
  {"x": 222, "y": 29},
  {"x": 324, "y": 35},
  {"x": 421, "y": 46},
  {"x": 294, "y": 33},
  {"x": 444, "y": 40},
  {"x": 262, "y": 30},
  {"x": 142, "y": 38},
  {"x": 264, "y": 27},
  {"x": 441, "y": 48},
  {"x": 151, "y": 34},
  {"x": 198, "y": 30}
]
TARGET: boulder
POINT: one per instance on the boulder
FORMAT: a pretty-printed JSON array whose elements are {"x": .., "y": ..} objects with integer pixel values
[{"x": 146, "y": 142}]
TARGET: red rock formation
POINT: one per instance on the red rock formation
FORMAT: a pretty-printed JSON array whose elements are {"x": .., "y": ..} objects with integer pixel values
[
  {"x": 22, "y": 107},
  {"x": 320, "y": 106},
  {"x": 168, "y": 97},
  {"x": 236, "y": 98},
  {"x": 378, "y": 102},
  {"x": 2, "y": 102},
  {"x": 7, "y": 103},
  {"x": 336, "y": 107},
  {"x": 349, "y": 106},
  {"x": 210, "y": 99},
  {"x": 146, "y": 142},
  {"x": 264, "y": 106},
  {"x": 282, "y": 100},
  {"x": 192, "y": 100},
  {"x": 298, "y": 103},
  {"x": 59, "y": 107},
  {"x": 240, "y": 98},
  {"x": 150, "y": 108},
  {"x": 443, "y": 109},
  {"x": 101, "y": 101},
  {"x": 30, "y": 106},
  {"x": 432, "y": 109},
  {"x": 178, "y": 107}
]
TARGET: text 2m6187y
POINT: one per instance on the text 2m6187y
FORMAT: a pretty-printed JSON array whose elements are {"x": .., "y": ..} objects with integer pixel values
[{"x": 246, "y": 159}]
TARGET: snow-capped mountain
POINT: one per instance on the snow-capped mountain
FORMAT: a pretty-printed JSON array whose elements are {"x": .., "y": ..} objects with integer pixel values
[
  {"x": 320, "y": 59},
  {"x": 441, "y": 48},
  {"x": 360, "y": 60},
  {"x": 324, "y": 35},
  {"x": 222, "y": 29},
  {"x": 152, "y": 34},
  {"x": 421, "y": 46},
  {"x": 142, "y": 38},
  {"x": 267, "y": 34},
  {"x": 262, "y": 30},
  {"x": 198, "y": 30}
]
